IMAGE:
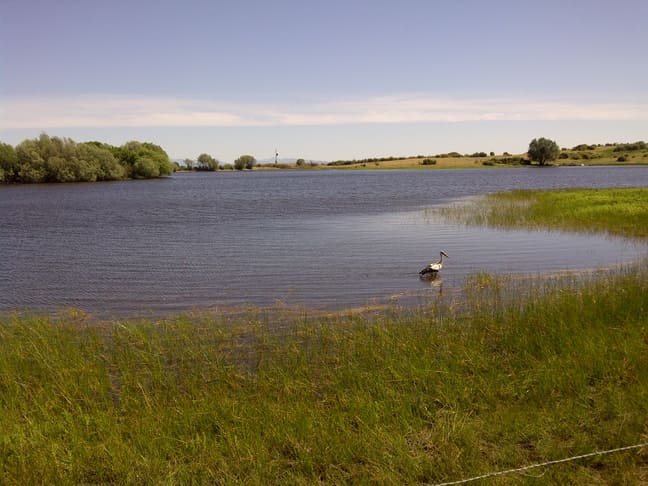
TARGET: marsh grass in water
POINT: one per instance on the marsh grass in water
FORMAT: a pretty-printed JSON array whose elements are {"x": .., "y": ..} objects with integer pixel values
[
  {"x": 621, "y": 212},
  {"x": 437, "y": 394}
]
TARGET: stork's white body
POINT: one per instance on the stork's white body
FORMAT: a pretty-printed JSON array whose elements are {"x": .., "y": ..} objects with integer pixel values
[{"x": 433, "y": 268}]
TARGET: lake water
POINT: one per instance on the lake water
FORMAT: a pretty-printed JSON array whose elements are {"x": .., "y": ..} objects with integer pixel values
[{"x": 320, "y": 239}]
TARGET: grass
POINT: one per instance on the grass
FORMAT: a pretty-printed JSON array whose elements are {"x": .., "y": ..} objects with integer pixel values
[
  {"x": 420, "y": 397},
  {"x": 621, "y": 212},
  {"x": 608, "y": 154}
]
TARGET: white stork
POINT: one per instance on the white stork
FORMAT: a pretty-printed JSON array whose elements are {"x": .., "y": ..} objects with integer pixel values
[{"x": 432, "y": 269}]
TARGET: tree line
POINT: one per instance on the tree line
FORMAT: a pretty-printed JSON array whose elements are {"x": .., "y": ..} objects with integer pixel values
[
  {"x": 206, "y": 162},
  {"x": 56, "y": 159}
]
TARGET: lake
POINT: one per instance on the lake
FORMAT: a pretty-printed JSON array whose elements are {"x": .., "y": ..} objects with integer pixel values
[{"x": 317, "y": 239}]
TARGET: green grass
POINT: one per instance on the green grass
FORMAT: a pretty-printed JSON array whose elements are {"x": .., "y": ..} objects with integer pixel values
[
  {"x": 432, "y": 395},
  {"x": 621, "y": 212},
  {"x": 608, "y": 154}
]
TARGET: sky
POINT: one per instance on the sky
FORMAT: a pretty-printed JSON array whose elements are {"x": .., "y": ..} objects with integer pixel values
[{"x": 325, "y": 80}]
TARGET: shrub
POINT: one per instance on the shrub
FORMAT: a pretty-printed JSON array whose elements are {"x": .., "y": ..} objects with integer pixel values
[
  {"x": 584, "y": 146},
  {"x": 145, "y": 168},
  {"x": 244, "y": 162},
  {"x": 207, "y": 162},
  {"x": 428, "y": 162},
  {"x": 8, "y": 162},
  {"x": 622, "y": 147}
]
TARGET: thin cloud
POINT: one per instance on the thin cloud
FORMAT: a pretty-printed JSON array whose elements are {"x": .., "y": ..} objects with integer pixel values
[{"x": 135, "y": 111}]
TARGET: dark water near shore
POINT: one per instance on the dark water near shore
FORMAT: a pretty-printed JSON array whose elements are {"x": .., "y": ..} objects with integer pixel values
[{"x": 324, "y": 240}]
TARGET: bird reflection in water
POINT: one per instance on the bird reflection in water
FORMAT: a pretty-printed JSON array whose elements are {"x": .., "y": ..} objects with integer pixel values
[{"x": 434, "y": 280}]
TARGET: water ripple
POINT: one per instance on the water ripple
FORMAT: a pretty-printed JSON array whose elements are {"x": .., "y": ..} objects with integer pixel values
[{"x": 324, "y": 240}]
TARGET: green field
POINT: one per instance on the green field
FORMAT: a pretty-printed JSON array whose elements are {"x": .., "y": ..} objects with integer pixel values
[{"x": 513, "y": 375}]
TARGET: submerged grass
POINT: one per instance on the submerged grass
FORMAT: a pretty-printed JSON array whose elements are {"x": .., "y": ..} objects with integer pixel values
[
  {"x": 390, "y": 398},
  {"x": 621, "y": 211}
]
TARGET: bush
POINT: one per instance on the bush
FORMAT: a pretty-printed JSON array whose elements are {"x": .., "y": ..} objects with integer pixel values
[
  {"x": 244, "y": 162},
  {"x": 207, "y": 162},
  {"x": 145, "y": 168},
  {"x": 622, "y": 147},
  {"x": 341, "y": 162},
  {"x": 507, "y": 161},
  {"x": 449, "y": 155},
  {"x": 584, "y": 146},
  {"x": 55, "y": 159},
  {"x": 428, "y": 162},
  {"x": 8, "y": 162}
]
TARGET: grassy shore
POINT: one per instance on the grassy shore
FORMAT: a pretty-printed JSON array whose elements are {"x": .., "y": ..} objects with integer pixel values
[
  {"x": 443, "y": 393},
  {"x": 608, "y": 154}
]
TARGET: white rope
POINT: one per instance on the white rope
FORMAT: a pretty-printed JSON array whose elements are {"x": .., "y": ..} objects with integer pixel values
[{"x": 543, "y": 464}]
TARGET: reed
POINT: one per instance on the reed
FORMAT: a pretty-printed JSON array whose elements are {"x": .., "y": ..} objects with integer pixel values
[
  {"x": 393, "y": 397},
  {"x": 621, "y": 211}
]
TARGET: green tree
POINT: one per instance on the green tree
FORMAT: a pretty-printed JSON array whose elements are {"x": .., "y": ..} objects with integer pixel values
[
  {"x": 55, "y": 159},
  {"x": 31, "y": 165},
  {"x": 160, "y": 157},
  {"x": 244, "y": 162},
  {"x": 61, "y": 169},
  {"x": 189, "y": 164},
  {"x": 300, "y": 163},
  {"x": 146, "y": 168},
  {"x": 8, "y": 163},
  {"x": 131, "y": 152},
  {"x": 87, "y": 170},
  {"x": 543, "y": 150},
  {"x": 207, "y": 162},
  {"x": 105, "y": 165}
]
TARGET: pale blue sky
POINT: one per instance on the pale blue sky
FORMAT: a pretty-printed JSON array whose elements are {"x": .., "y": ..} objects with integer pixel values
[{"x": 325, "y": 80}]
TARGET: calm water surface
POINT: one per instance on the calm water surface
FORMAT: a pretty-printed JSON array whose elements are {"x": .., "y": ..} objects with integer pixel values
[{"x": 325, "y": 239}]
